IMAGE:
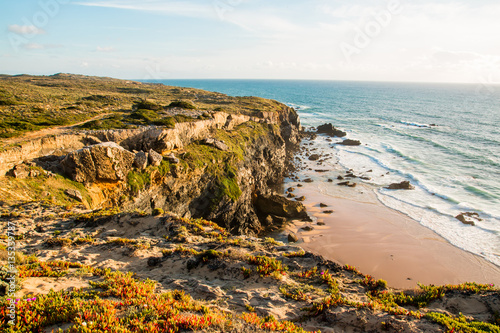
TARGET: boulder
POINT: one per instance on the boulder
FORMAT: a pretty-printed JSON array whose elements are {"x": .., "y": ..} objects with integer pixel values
[
  {"x": 322, "y": 205},
  {"x": 23, "y": 171},
  {"x": 279, "y": 206},
  {"x": 172, "y": 159},
  {"x": 328, "y": 129},
  {"x": 74, "y": 194},
  {"x": 314, "y": 157},
  {"x": 404, "y": 185},
  {"x": 468, "y": 218},
  {"x": 141, "y": 160},
  {"x": 279, "y": 220},
  {"x": 328, "y": 212},
  {"x": 154, "y": 158},
  {"x": 292, "y": 238},
  {"x": 102, "y": 162},
  {"x": 307, "y": 228},
  {"x": 302, "y": 198},
  {"x": 308, "y": 180},
  {"x": 215, "y": 143},
  {"x": 349, "y": 142}
]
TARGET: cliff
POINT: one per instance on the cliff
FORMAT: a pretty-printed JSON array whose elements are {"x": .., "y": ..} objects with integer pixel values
[{"x": 212, "y": 164}]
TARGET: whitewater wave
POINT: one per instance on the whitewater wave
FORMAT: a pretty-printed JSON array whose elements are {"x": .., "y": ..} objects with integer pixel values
[
  {"x": 414, "y": 124},
  {"x": 298, "y": 106}
]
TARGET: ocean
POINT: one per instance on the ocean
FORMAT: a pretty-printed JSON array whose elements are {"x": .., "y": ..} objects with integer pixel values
[{"x": 443, "y": 138}]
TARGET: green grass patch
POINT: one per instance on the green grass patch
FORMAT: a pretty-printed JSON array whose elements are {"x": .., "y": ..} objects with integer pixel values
[{"x": 137, "y": 181}]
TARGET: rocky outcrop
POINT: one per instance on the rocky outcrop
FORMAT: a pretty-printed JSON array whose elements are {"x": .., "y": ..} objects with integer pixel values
[
  {"x": 107, "y": 162},
  {"x": 330, "y": 130},
  {"x": 404, "y": 185},
  {"x": 277, "y": 205},
  {"x": 154, "y": 158},
  {"x": 215, "y": 143},
  {"x": 349, "y": 142},
  {"x": 469, "y": 218},
  {"x": 141, "y": 160}
]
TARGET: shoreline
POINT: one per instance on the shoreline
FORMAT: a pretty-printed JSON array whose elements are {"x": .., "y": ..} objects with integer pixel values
[{"x": 379, "y": 240}]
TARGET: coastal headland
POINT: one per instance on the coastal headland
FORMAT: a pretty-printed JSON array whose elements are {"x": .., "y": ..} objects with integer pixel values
[{"x": 137, "y": 207}]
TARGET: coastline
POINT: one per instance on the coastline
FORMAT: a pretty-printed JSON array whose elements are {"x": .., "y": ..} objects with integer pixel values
[{"x": 377, "y": 239}]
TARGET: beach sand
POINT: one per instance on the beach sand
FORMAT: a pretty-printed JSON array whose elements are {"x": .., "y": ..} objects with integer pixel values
[{"x": 384, "y": 243}]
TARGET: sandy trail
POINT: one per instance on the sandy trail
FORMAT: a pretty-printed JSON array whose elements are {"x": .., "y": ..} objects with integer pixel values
[{"x": 29, "y": 136}]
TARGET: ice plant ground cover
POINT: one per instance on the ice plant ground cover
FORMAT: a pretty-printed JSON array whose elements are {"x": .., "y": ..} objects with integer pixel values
[{"x": 312, "y": 290}]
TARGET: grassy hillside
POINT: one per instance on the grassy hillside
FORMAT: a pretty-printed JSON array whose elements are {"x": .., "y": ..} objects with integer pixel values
[{"x": 30, "y": 103}]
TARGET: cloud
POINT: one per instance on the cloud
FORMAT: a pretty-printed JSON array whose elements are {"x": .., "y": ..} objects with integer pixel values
[
  {"x": 105, "y": 49},
  {"x": 25, "y": 29},
  {"x": 182, "y": 8},
  {"x": 36, "y": 46}
]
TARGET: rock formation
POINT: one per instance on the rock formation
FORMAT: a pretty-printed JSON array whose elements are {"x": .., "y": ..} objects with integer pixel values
[
  {"x": 107, "y": 162},
  {"x": 328, "y": 129},
  {"x": 404, "y": 185}
]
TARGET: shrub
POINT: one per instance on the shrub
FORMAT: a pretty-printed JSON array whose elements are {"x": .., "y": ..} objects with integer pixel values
[
  {"x": 157, "y": 211},
  {"x": 182, "y": 104},
  {"x": 167, "y": 122},
  {"x": 144, "y": 114},
  {"x": 146, "y": 105}
]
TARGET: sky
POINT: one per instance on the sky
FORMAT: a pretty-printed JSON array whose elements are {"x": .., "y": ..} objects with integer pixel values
[{"x": 369, "y": 40}]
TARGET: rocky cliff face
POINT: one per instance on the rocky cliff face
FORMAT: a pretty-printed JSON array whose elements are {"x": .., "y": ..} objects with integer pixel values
[
  {"x": 197, "y": 193},
  {"x": 215, "y": 168}
]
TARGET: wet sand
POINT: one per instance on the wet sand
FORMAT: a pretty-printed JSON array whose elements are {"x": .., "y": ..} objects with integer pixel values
[{"x": 384, "y": 243}]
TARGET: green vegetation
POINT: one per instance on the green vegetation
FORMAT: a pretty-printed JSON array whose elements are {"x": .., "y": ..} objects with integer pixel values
[
  {"x": 30, "y": 103},
  {"x": 113, "y": 122},
  {"x": 182, "y": 104},
  {"x": 50, "y": 189},
  {"x": 461, "y": 324},
  {"x": 137, "y": 181}
]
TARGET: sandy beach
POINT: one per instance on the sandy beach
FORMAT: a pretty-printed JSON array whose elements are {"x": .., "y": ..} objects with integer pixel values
[{"x": 385, "y": 243}]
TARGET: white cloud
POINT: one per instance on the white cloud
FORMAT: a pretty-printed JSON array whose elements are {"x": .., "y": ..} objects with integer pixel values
[{"x": 25, "y": 29}]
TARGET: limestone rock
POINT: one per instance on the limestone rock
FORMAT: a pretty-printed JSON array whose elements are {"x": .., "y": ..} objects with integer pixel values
[
  {"x": 74, "y": 194},
  {"x": 23, "y": 171},
  {"x": 172, "y": 159},
  {"x": 279, "y": 206},
  {"x": 102, "y": 162},
  {"x": 404, "y": 185},
  {"x": 154, "y": 158},
  {"x": 328, "y": 129},
  {"x": 292, "y": 237},
  {"x": 215, "y": 143},
  {"x": 141, "y": 160}
]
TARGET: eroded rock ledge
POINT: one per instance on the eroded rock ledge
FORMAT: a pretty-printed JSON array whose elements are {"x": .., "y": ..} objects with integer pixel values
[{"x": 213, "y": 168}]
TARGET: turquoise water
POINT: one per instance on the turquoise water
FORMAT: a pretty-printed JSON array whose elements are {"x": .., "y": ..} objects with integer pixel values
[{"x": 455, "y": 165}]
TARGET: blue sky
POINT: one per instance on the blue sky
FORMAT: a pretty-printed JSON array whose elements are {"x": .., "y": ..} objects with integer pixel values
[{"x": 381, "y": 40}]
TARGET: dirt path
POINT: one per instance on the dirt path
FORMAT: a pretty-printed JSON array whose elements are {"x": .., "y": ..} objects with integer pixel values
[{"x": 47, "y": 132}]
